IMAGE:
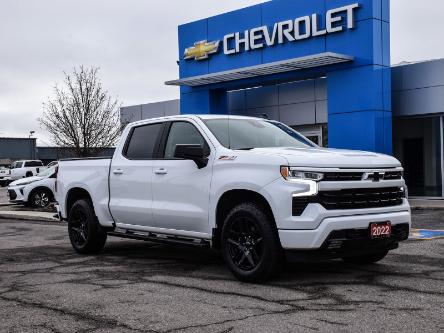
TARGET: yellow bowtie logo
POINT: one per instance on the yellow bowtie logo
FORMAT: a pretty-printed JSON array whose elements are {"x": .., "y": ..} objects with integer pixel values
[{"x": 201, "y": 50}]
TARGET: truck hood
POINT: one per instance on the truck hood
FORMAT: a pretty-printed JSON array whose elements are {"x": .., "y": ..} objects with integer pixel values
[
  {"x": 331, "y": 158},
  {"x": 26, "y": 181}
]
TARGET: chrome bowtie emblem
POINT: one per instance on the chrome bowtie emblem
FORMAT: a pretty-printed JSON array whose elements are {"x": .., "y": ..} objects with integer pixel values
[
  {"x": 201, "y": 50},
  {"x": 374, "y": 176}
]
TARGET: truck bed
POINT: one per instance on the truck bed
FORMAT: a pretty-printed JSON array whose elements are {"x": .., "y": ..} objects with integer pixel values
[{"x": 91, "y": 175}]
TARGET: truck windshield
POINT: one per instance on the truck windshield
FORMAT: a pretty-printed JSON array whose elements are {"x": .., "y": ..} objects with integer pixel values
[{"x": 245, "y": 134}]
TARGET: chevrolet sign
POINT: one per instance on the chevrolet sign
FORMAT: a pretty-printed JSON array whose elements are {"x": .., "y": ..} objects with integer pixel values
[{"x": 301, "y": 28}]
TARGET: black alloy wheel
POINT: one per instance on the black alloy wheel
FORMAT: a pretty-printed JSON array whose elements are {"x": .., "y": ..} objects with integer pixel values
[
  {"x": 245, "y": 244},
  {"x": 78, "y": 230},
  {"x": 250, "y": 244},
  {"x": 85, "y": 233}
]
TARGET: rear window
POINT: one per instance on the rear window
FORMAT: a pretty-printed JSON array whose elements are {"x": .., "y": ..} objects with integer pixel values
[
  {"x": 33, "y": 164},
  {"x": 143, "y": 142}
]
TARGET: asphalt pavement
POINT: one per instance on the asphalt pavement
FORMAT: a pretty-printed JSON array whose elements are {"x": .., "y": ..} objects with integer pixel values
[
  {"x": 4, "y": 195},
  {"x": 142, "y": 287}
]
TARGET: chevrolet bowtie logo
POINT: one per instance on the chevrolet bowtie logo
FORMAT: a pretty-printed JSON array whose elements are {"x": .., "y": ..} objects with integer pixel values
[{"x": 201, "y": 50}]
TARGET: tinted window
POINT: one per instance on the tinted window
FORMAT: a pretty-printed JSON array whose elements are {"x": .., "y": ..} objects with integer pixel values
[
  {"x": 17, "y": 165},
  {"x": 33, "y": 164},
  {"x": 142, "y": 144},
  {"x": 182, "y": 133}
]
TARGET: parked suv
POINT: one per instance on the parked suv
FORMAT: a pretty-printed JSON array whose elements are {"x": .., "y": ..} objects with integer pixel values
[
  {"x": 36, "y": 191},
  {"x": 23, "y": 169},
  {"x": 252, "y": 188}
]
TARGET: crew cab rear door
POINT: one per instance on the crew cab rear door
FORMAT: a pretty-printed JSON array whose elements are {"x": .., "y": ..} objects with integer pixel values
[
  {"x": 131, "y": 176},
  {"x": 181, "y": 190}
]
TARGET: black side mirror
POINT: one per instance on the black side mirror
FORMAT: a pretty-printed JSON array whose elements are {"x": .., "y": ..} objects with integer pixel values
[{"x": 196, "y": 153}]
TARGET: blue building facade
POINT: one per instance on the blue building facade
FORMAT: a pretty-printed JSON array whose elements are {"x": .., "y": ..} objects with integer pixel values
[{"x": 343, "y": 42}]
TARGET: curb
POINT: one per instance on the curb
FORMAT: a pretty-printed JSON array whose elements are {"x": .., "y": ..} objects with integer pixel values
[
  {"x": 419, "y": 208},
  {"x": 9, "y": 216}
]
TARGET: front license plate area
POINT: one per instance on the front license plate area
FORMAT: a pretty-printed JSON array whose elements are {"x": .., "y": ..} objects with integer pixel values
[{"x": 380, "y": 230}]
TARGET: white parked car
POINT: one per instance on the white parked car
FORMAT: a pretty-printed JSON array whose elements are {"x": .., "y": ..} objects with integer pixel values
[
  {"x": 252, "y": 188},
  {"x": 37, "y": 191},
  {"x": 23, "y": 169},
  {"x": 5, "y": 176}
]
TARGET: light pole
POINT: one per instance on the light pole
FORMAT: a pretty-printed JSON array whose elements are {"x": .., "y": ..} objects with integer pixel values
[{"x": 31, "y": 133}]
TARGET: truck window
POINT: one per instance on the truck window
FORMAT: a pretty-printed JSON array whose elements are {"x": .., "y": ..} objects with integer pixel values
[
  {"x": 33, "y": 164},
  {"x": 143, "y": 142},
  {"x": 182, "y": 133},
  {"x": 17, "y": 165}
]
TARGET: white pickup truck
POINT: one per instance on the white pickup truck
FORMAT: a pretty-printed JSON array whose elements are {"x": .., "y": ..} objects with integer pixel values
[
  {"x": 252, "y": 188},
  {"x": 24, "y": 169}
]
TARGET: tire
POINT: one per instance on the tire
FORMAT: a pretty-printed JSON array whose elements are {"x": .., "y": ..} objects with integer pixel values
[
  {"x": 85, "y": 233},
  {"x": 28, "y": 174},
  {"x": 250, "y": 244},
  {"x": 366, "y": 259},
  {"x": 40, "y": 198}
]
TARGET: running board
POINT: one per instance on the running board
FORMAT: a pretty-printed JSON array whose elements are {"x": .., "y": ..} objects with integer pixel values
[{"x": 160, "y": 238}]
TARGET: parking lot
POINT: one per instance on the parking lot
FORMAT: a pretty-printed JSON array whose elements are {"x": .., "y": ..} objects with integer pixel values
[
  {"x": 3, "y": 195},
  {"x": 143, "y": 287}
]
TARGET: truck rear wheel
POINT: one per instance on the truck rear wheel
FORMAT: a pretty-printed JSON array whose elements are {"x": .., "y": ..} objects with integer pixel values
[
  {"x": 250, "y": 244},
  {"x": 85, "y": 233},
  {"x": 366, "y": 259}
]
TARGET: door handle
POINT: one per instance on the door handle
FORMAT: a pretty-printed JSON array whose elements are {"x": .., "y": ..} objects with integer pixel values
[
  {"x": 161, "y": 171},
  {"x": 118, "y": 172}
]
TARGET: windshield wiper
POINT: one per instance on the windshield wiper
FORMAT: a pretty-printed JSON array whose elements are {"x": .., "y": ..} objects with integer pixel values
[{"x": 246, "y": 148}]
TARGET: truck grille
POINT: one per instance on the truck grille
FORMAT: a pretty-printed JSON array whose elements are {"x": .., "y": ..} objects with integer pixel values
[
  {"x": 12, "y": 195},
  {"x": 343, "y": 176},
  {"x": 357, "y": 176},
  {"x": 352, "y": 199}
]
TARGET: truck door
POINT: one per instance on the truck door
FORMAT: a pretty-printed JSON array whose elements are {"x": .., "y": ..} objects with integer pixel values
[
  {"x": 131, "y": 175},
  {"x": 181, "y": 190}
]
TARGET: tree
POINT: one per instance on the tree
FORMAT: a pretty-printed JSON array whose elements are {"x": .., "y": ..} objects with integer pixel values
[{"x": 81, "y": 115}]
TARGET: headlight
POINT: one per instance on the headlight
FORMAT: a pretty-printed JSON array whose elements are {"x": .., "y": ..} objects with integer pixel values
[
  {"x": 26, "y": 183},
  {"x": 306, "y": 181},
  {"x": 291, "y": 174}
]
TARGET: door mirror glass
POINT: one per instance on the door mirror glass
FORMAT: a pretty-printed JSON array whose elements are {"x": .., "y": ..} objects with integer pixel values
[{"x": 195, "y": 153}]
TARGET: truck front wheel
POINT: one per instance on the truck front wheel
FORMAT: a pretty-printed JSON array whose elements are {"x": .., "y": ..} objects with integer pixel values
[
  {"x": 85, "y": 233},
  {"x": 250, "y": 244},
  {"x": 366, "y": 259}
]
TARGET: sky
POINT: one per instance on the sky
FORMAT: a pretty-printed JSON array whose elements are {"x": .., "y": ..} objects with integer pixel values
[{"x": 134, "y": 42}]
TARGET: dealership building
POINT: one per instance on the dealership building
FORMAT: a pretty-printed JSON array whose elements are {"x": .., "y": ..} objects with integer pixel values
[{"x": 322, "y": 67}]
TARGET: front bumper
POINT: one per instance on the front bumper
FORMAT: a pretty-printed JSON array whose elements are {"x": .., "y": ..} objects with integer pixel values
[
  {"x": 4, "y": 180},
  {"x": 317, "y": 238},
  {"x": 16, "y": 195}
]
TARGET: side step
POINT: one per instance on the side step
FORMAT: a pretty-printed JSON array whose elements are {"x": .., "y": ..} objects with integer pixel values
[{"x": 160, "y": 238}]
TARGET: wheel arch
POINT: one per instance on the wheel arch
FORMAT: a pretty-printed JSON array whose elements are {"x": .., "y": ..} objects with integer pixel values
[
  {"x": 230, "y": 199},
  {"x": 75, "y": 194},
  {"x": 41, "y": 188}
]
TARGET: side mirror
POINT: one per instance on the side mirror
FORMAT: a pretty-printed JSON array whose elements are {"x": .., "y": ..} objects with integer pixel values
[{"x": 195, "y": 153}]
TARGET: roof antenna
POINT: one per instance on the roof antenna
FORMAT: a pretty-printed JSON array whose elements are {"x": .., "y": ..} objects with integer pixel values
[{"x": 265, "y": 116}]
